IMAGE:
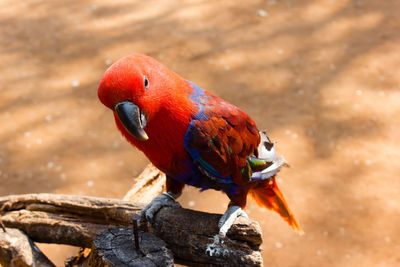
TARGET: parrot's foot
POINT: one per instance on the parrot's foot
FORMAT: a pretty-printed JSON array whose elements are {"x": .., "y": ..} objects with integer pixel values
[
  {"x": 166, "y": 199},
  {"x": 229, "y": 218},
  {"x": 217, "y": 248}
]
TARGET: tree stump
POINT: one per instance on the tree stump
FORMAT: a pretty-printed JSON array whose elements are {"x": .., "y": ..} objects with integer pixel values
[{"x": 116, "y": 247}]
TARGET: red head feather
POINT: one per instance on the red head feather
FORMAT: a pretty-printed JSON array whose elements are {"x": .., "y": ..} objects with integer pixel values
[{"x": 165, "y": 103}]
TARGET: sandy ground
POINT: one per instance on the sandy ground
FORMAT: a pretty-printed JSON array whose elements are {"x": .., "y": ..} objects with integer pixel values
[{"x": 320, "y": 76}]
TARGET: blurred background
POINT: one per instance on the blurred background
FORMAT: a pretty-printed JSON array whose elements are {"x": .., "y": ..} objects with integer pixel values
[{"x": 320, "y": 76}]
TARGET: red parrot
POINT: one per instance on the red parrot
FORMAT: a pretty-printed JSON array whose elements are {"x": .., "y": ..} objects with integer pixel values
[{"x": 196, "y": 138}]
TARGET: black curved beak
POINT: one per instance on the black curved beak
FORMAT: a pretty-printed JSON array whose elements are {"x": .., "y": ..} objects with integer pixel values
[{"x": 133, "y": 120}]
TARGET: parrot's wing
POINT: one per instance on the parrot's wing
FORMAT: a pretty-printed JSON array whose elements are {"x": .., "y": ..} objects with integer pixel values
[{"x": 221, "y": 142}]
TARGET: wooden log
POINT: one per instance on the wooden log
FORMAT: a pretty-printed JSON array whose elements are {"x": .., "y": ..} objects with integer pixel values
[
  {"x": 17, "y": 249},
  {"x": 115, "y": 247},
  {"x": 189, "y": 233},
  {"x": 149, "y": 184},
  {"x": 76, "y": 220},
  {"x": 47, "y": 227},
  {"x": 105, "y": 209},
  {"x": 244, "y": 236},
  {"x": 65, "y": 219}
]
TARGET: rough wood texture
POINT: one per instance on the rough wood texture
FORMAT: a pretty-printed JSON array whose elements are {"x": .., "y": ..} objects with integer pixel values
[
  {"x": 115, "y": 247},
  {"x": 17, "y": 249},
  {"x": 149, "y": 184},
  {"x": 65, "y": 219},
  {"x": 113, "y": 210},
  {"x": 189, "y": 232},
  {"x": 190, "y": 243},
  {"x": 75, "y": 220}
]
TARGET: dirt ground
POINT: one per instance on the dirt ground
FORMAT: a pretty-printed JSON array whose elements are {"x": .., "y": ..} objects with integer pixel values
[{"x": 320, "y": 76}]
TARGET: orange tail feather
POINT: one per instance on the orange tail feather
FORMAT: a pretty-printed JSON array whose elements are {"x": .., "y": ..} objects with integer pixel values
[{"x": 267, "y": 194}]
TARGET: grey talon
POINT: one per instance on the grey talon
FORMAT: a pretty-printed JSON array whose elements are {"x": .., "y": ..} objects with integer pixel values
[{"x": 164, "y": 200}]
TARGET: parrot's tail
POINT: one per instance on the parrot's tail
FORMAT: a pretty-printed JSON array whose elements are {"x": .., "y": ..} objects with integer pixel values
[{"x": 267, "y": 194}]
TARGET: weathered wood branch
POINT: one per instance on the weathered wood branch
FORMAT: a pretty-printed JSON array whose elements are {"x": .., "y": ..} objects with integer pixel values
[
  {"x": 76, "y": 220},
  {"x": 65, "y": 219},
  {"x": 149, "y": 184},
  {"x": 17, "y": 249},
  {"x": 112, "y": 210},
  {"x": 188, "y": 233},
  {"x": 245, "y": 236}
]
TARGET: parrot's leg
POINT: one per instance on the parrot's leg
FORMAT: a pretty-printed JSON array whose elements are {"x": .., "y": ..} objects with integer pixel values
[
  {"x": 234, "y": 211},
  {"x": 229, "y": 218},
  {"x": 217, "y": 246},
  {"x": 166, "y": 199}
]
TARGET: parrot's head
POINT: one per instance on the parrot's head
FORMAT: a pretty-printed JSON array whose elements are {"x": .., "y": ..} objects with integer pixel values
[{"x": 133, "y": 87}]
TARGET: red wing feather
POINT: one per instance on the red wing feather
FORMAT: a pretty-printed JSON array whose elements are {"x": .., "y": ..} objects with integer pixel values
[{"x": 225, "y": 139}]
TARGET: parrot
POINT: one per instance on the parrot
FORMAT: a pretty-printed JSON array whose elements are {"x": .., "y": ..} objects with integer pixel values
[{"x": 194, "y": 137}]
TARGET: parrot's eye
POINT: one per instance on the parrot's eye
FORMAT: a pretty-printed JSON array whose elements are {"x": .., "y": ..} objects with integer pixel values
[{"x": 146, "y": 82}]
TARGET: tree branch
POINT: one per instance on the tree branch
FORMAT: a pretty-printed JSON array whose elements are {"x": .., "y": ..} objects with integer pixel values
[
  {"x": 17, "y": 249},
  {"x": 76, "y": 220},
  {"x": 149, "y": 184},
  {"x": 65, "y": 219}
]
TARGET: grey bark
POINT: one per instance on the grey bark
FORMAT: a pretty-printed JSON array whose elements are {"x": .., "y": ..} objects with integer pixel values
[
  {"x": 17, "y": 249},
  {"x": 115, "y": 247},
  {"x": 76, "y": 220}
]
